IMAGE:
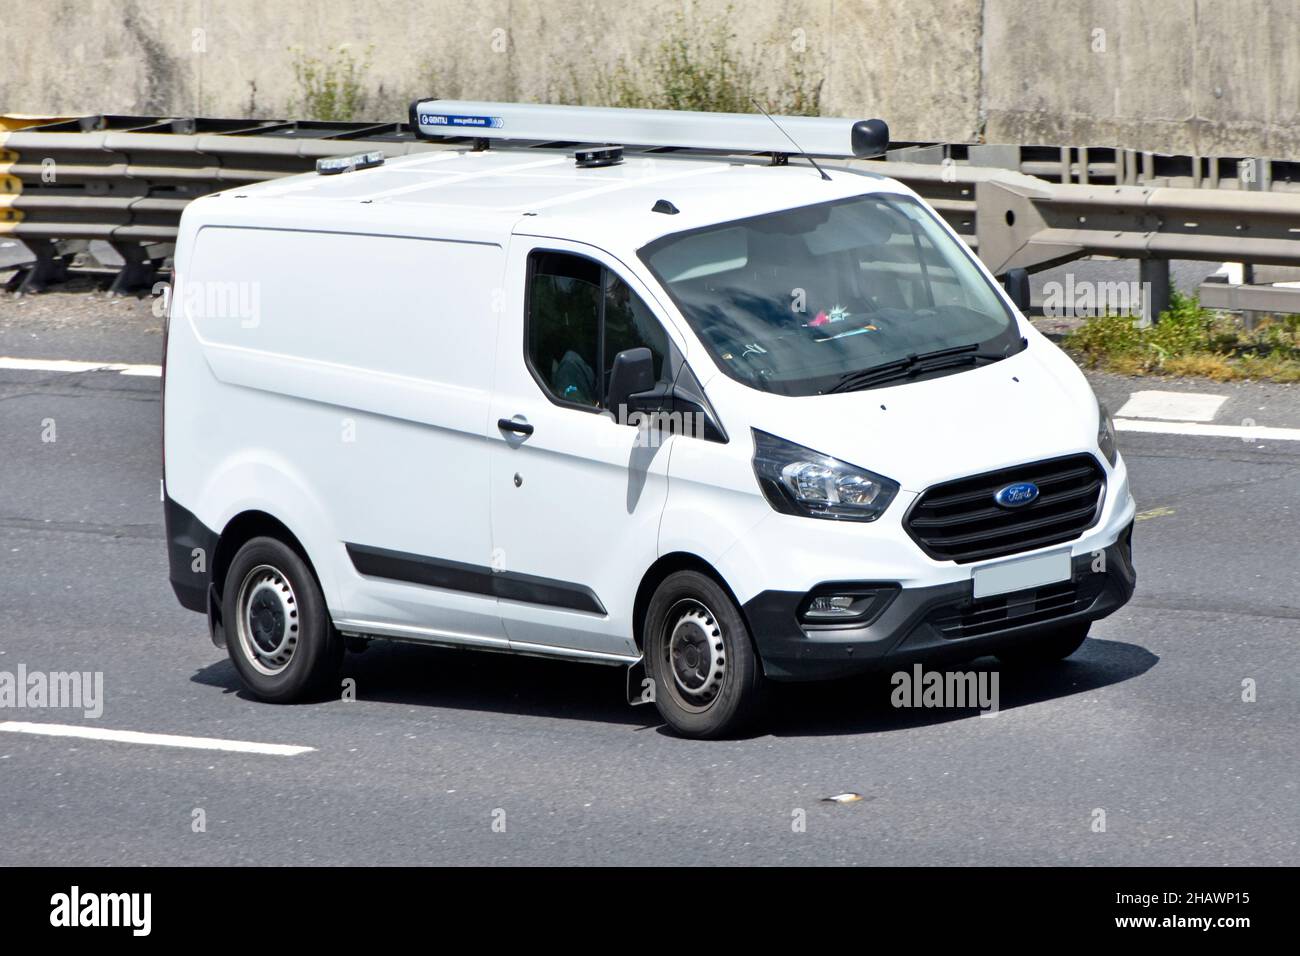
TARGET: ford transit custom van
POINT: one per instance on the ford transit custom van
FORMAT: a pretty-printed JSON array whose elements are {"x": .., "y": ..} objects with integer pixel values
[{"x": 692, "y": 404}]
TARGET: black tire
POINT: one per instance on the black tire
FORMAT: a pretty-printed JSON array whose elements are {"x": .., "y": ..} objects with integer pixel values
[
  {"x": 729, "y": 687},
  {"x": 286, "y": 650},
  {"x": 1046, "y": 648}
]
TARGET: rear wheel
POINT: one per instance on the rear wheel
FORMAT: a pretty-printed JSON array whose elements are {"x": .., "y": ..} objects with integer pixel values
[
  {"x": 278, "y": 632},
  {"x": 1047, "y": 648},
  {"x": 708, "y": 681}
]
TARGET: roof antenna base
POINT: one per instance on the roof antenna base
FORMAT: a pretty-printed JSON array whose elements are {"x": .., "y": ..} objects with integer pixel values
[{"x": 781, "y": 159}]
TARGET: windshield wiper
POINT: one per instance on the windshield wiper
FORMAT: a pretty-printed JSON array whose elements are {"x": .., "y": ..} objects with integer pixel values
[{"x": 914, "y": 364}]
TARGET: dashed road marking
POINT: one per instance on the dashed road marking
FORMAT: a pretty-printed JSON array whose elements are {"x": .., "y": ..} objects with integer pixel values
[
  {"x": 1248, "y": 433},
  {"x": 68, "y": 365},
  {"x": 1172, "y": 406},
  {"x": 1161, "y": 512},
  {"x": 158, "y": 740}
]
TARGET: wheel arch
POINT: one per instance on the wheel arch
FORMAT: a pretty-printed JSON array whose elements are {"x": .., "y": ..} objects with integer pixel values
[
  {"x": 241, "y": 529},
  {"x": 655, "y": 575}
]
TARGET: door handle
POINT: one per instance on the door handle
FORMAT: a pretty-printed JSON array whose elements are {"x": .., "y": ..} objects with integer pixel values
[{"x": 510, "y": 425}]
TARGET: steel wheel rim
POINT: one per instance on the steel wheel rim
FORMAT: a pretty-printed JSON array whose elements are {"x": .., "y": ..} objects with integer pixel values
[
  {"x": 267, "y": 624},
  {"x": 694, "y": 653}
]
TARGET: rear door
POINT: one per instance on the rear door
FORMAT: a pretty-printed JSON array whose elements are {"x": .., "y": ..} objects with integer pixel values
[{"x": 576, "y": 495}]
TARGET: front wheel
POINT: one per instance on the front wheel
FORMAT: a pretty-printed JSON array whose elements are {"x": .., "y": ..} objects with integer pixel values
[
  {"x": 278, "y": 631},
  {"x": 708, "y": 681},
  {"x": 1047, "y": 648}
]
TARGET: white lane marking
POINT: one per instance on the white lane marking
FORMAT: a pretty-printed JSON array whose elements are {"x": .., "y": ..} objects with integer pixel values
[
  {"x": 1242, "y": 432},
  {"x": 1234, "y": 271},
  {"x": 68, "y": 365},
  {"x": 48, "y": 365},
  {"x": 1173, "y": 406},
  {"x": 158, "y": 740}
]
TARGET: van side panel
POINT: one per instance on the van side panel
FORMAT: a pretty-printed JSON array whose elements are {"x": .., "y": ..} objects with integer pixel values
[{"x": 340, "y": 382}]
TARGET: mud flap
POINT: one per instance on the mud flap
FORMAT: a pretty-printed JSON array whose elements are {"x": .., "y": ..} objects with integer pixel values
[
  {"x": 216, "y": 629},
  {"x": 640, "y": 688}
]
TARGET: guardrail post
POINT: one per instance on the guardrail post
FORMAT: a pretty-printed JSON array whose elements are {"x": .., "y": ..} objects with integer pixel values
[
  {"x": 53, "y": 256},
  {"x": 142, "y": 263},
  {"x": 1253, "y": 175},
  {"x": 1153, "y": 274},
  {"x": 1249, "y": 317}
]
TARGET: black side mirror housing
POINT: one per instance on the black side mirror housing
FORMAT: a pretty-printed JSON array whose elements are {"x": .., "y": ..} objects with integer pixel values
[
  {"x": 633, "y": 371},
  {"x": 1016, "y": 282}
]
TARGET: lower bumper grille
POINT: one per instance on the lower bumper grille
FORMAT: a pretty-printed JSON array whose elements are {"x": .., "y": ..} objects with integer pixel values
[{"x": 990, "y": 615}]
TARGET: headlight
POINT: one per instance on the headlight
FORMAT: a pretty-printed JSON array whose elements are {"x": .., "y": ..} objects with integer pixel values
[
  {"x": 799, "y": 481},
  {"x": 1106, "y": 434}
]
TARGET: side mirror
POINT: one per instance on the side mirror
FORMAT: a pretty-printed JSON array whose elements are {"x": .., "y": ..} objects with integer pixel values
[
  {"x": 1016, "y": 282},
  {"x": 633, "y": 371}
]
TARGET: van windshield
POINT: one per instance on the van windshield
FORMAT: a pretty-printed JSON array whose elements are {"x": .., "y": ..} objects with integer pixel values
[{"x": 806, "y": 300}]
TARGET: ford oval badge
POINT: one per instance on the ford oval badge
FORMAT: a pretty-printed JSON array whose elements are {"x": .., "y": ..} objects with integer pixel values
[{"x": 1017, "y": 495}]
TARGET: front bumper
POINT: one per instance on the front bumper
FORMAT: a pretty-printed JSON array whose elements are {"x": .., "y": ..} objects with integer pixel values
[{"x": 939, "y": 622}]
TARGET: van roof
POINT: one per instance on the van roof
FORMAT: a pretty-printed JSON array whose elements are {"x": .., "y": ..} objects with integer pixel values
[{"x": 458, "y": 193}]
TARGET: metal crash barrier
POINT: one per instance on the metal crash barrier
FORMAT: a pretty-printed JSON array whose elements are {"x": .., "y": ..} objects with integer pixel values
[{"x": 125, "y": 179}]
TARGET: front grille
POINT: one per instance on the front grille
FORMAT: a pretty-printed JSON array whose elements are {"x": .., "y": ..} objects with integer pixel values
[
  {"x": 959, "y": 520},
  {"x": 990, "y": 615}
]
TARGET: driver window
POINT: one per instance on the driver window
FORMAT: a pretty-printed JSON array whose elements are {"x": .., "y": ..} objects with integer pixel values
[
  {"x": 581, "y": 315},
  {"x": 564, "y": 298}
]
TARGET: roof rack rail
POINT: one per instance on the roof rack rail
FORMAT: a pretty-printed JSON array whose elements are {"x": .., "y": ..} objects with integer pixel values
[{"x": 731, "y": 132}]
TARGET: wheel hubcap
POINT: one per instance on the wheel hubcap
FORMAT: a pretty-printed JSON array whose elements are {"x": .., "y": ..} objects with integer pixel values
[
  {"x": 268, "y": 620},
  {"x": 696, "y": 652}
]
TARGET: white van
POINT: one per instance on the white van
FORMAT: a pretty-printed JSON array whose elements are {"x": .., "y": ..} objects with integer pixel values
[{"x": 733, "y": 419}]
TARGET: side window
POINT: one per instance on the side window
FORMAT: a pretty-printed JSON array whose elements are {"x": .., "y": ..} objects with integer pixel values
[
  {"x": 564, "y": 304},
  {"x": 630, "y": 324},
  {"x": 581, "y": 315}
]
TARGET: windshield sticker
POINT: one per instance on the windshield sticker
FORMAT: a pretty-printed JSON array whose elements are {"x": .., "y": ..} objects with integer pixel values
[
  {"x": 844, "y": 335},
  {"x": 837, "y": 313}
]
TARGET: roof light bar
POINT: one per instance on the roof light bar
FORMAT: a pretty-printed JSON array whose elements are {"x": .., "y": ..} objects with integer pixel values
[
  {"x": 732, "y": 132},
  {"x": 333, "y": 165}
]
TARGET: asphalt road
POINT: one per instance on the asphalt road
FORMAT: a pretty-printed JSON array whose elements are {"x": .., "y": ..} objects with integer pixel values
[{"x": 1146, "y": 722}]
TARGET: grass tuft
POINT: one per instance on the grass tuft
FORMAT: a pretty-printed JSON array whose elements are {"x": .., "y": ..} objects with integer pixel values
[
  {"x": 699, "y": 64},
  {"x": 1190, "y": 340},
  {"x": 331, "y": 88}
]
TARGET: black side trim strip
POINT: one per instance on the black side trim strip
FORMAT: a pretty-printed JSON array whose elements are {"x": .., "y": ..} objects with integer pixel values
[{"x": 472, "y": 578}]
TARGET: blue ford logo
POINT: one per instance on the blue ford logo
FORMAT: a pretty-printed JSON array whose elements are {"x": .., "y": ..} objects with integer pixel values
[{"x": 1014, "y": 496}]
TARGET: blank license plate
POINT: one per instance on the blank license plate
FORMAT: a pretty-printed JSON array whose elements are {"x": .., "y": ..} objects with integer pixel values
[{"x": 1022, "y": 573}]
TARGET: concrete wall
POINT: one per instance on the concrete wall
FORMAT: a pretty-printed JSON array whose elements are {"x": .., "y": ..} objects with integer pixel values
[
  {"x": 1214, "y": 77},
  {"x": 1208, "y": 76}
]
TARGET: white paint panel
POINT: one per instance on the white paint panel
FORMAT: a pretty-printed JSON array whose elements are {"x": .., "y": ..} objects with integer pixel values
[
  {"x": 1173, "y": 406},
  {"x": 420, "y": 308},
  {"x": 341, "y": 383}
]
